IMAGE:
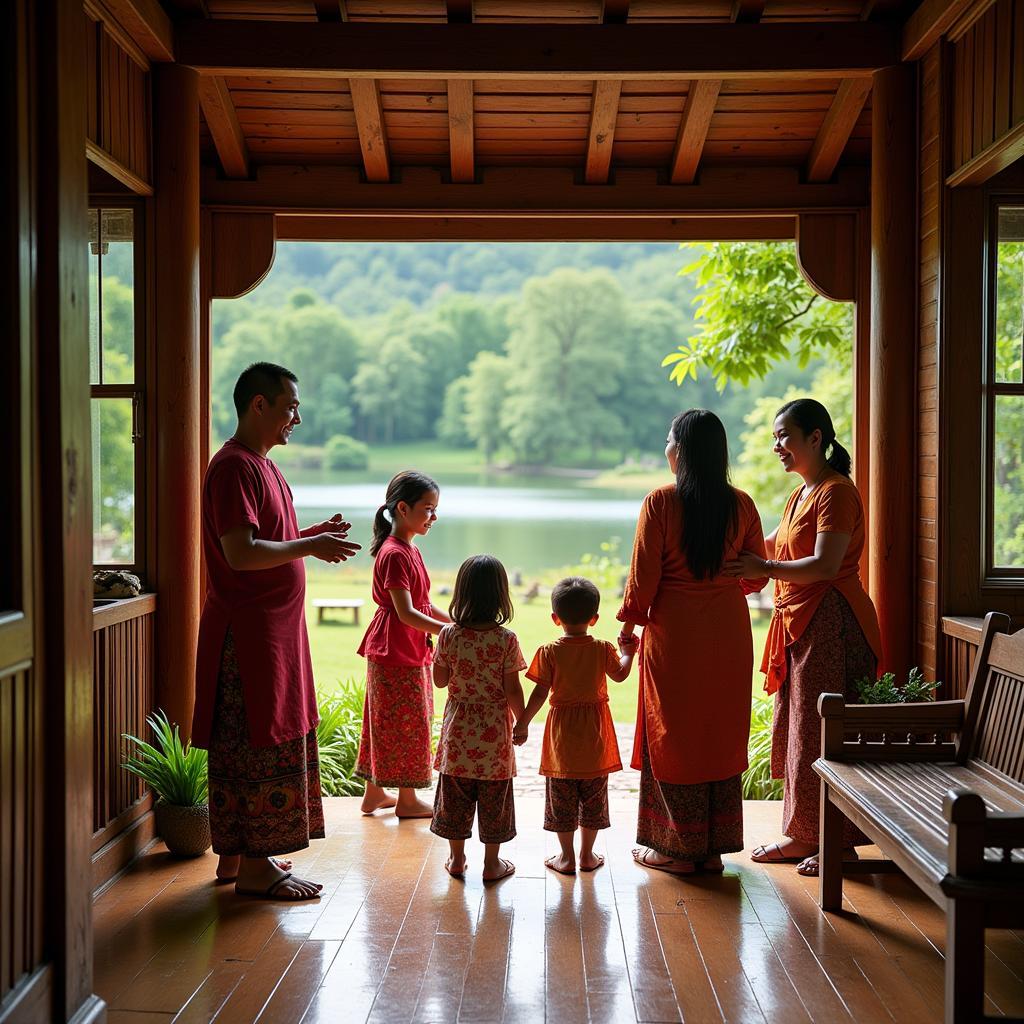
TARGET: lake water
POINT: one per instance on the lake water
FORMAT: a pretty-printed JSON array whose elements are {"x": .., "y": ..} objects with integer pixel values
[{"x": 530, "y": 523}]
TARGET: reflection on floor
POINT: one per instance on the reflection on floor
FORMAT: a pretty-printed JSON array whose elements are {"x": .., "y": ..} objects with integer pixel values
[{"x": 395, "y": 939}]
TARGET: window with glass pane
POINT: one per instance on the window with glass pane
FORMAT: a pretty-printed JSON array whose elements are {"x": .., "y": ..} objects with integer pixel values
[
  {"x": 113, "y": 481},
  {"x": 1006, "y": 391},
  {"x": 112, "y": 296}
]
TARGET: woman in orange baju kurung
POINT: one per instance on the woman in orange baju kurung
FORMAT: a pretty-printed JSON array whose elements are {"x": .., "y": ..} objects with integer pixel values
[
  {"x": 696, "y": 653},
  {"x": 824, "y": 633}
]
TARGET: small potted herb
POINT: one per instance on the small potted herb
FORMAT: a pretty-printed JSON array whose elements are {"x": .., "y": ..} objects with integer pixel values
[
  {"x": 886, "y": 691},
  {"x": 176, "y": 773}
]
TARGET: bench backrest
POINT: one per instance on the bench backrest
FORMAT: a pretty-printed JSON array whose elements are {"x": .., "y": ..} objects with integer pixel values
[{"x": 994, "y": 719}]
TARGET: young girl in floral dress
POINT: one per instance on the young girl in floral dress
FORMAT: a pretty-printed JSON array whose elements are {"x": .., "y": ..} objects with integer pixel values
[
  {"x": 479, "y": 661},
  {"x": 394, "y": 750}
]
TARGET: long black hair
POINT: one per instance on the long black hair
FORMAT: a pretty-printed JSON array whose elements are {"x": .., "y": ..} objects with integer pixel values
[
  {"x": 481, "y": 593},
  {"x": 810, "y": 415},
  {"x": 408, "y": 486},
  {"x": 710, "y": 506}
]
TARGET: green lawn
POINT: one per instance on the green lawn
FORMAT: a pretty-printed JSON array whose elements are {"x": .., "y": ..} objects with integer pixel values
[{"x": 334, "y": 643}]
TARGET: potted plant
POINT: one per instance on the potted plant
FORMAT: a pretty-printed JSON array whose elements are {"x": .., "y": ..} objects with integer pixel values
[
  {"x": 886, "y": 691},
  {"x": 176, "y": 773}
]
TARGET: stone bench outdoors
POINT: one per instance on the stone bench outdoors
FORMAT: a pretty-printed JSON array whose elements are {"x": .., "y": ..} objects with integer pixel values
[
  {"x": 938, "y": 788},
  {"x": 323, "y": 604}
]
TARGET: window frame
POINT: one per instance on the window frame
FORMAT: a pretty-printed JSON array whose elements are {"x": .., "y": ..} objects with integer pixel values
[
  {"x": 136, "y": 391},
  {"x": 1004, "y": 578}
]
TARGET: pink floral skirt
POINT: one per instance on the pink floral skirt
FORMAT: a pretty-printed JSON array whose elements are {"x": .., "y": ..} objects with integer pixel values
[{"x": 394, "y": 750}]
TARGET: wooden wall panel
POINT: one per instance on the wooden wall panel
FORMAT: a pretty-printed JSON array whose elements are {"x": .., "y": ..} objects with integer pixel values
[
  {"x": 988, "y": 94},
  {"x": 21, "y": 841},
  {"x": 931, "y": 187}
]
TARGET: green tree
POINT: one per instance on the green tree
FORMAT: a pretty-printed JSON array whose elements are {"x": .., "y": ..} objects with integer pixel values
[
  {"x": 484, "y": 398},
  {"x": 565, "y": 356},
  {"x": 391, "y": 392},
  {"x": 451, "y": 427},
  {"x": 754, "y": 310}
]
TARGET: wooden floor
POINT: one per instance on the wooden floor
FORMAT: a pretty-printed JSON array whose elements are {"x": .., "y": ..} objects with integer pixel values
[{"x": 395, "y": 939}]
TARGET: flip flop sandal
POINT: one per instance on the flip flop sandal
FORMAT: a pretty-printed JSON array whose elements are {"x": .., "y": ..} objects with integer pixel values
[
  {"x": 809, "y": 866},
  {"x": 641, "y": 859},
  {"x": 510, "y": 869},
  {"x": 270, "y": 893},
  {"x": 548, "y": 864},
  {"x": 280, "y": 864},
  {"x": 712, "y": 869},
  {"x": 767, "y": 857},
  {"x": 596, "y": 866}
]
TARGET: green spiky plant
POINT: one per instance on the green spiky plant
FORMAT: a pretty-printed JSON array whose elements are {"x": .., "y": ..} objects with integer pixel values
[
  {"x": 887, "y": 691},
  {"x": 337, "y": 736},
  {"x": 176, "y": 772},
  {"x": 758, "y": 783}
]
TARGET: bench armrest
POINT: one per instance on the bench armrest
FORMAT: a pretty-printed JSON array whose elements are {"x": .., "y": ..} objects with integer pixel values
[
  {"x": 972, "y": 829},
  {"x": 888, "y": 732}
]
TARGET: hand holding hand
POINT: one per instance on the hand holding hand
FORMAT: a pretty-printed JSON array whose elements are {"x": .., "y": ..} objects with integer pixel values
[
  {"x": 520, "y": 734},
  {"x": 747, "y": 567},
  {"x": 333, "y": 547},
  {"x": 628, "y": 644}
]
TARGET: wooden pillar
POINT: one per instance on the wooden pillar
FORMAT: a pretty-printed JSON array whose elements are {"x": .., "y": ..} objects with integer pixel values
[
  {"x": 176, "y": 384},
  {"x": 893, "y": 323}
]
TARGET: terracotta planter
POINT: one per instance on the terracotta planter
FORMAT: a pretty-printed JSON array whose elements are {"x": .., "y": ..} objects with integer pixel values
[{"x": 185, "y": 830}]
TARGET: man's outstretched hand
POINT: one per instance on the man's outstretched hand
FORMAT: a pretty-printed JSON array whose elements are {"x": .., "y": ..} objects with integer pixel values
[
  {"x": 336, "y": 524},
  {"x": 333, "y": 547}
]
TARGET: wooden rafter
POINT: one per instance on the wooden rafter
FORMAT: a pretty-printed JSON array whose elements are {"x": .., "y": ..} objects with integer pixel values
[
  {"x": 460, "y": 129},
  {"x": 580, "y": 52},
  {"x": 835, "y": 130},
  {"x": 146, "y": 24},
  {"x": 330, "y": 10},
  {"x": 460, "y": 12},
  {"x": 373, "y": 139},
  {"x": 932, "y": 20},
  {"x": 614, "y": 12},
  {"x": 693, "y": 130},
  {"x": 746, "y": 12},
  {"x": 604, "y": 109},
  {"x": 221, "y": 119}
]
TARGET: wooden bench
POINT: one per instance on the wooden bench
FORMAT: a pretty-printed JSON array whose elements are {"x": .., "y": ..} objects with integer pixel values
[
  {"x": 322, "y": 604},
  {"x": 938, "y": 787}
]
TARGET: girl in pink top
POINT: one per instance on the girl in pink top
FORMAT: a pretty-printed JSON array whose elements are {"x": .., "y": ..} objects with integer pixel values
[{"x": 394, "y": 750}]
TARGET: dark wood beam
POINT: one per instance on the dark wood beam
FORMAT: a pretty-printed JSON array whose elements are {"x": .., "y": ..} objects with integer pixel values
[
  {"x": 146, "y": 24},
  {"x": 221, "y": 119},
  {"x": 693, "y": 130},
  {"x": 330, "y": 10},
  {"x": 533, "y": 192},
  {"x": 604, "y": 110},
  {"x": 373, "y": 139},
  {"x": 1006, "y": 150},
  {"x": 363, "y": 50},
  {"x": 747, "y": 12},
  {"x": 614, "y": 12},
  {"x": 835, "y": 130},
  {"x": 461, "y": 142},
  {"x": 932, "y": 20},
  {"x": 460, "y": 12}
]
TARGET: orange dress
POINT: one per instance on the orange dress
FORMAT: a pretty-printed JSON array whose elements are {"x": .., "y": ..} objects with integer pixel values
[
  {"x": 579, "y": 735},
  {"x": 834, "y": 506},
  {"x": 696, "y": 651}
]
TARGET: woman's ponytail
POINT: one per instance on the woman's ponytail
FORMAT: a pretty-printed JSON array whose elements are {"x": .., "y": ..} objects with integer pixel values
[
  {"x": 408, "y": 486},
  {"x": 839, "y": 459},
  {"x": 810, "y": 415}
]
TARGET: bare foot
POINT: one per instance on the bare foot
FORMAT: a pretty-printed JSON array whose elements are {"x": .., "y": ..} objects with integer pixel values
[
  {"x": 808, "y": 867},
  {"x": 455, "y": 866},
  {"x": 261, "y": 877},
  {"x": 562, "y": 864},
  {"x": 496, "y": 872},
  {"x": 227, "y": 866},
  {"x": 591, "y": 861},
  {"x": 376, "y": 801},
  {"x": 414, "y": 808},
  {"x": 788, "y": 851}
]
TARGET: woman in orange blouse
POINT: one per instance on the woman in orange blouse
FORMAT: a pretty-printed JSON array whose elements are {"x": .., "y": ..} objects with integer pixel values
[
  {"x": 824, "y": 632},
  {"x": 696, "y": 653}
]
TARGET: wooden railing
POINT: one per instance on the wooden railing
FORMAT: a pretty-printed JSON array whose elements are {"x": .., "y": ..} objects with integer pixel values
[
  {"x": 961, "y": 635},
  {"x": 123, "y": 695}
]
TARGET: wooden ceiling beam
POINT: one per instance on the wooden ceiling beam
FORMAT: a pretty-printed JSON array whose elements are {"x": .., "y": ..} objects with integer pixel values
[
  {"x": 461, "y": 140},
  {"x": 837, "y": 127},
  {"x": 373, "y": 139},
  {"x": 930, "y": 22},
  {"x": 580, "y": 52},
  {"x": 534, "y": 192},
  {"x": 331, "y": 10},
  {"x": 693, "y": 130},
  {"x": 747, "y": 12},
  {"x": 460, "y": 12},
  {"x": 221, "y": 119},
  {"x": 145, "y": 22},
  {"x": 604, "y": 109},
  {"x": 614, "y": 12}
]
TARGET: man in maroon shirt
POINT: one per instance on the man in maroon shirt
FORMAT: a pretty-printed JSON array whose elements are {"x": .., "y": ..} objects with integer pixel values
[{"x": 256, "y": 708}]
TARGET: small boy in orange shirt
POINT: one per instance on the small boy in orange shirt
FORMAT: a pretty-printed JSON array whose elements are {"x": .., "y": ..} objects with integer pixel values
[{"x": 580, "y": 749}]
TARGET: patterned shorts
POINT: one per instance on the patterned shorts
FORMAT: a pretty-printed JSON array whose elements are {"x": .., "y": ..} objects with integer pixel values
[
  {"x": 569, "y": 803},
  {"x": 456, "y": 799}
]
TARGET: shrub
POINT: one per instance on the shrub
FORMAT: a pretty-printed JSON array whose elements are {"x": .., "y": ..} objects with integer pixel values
[
  {"x": 176, "y": 772},
  {"x": 337, "y": 735},
  {"x": 344, "y": 452},
  {"x": 886, "y": 690},
  {"x": 758, "y": 783}
]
